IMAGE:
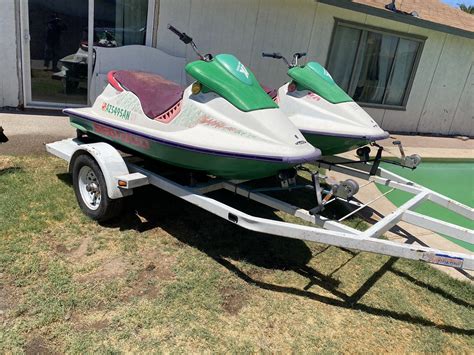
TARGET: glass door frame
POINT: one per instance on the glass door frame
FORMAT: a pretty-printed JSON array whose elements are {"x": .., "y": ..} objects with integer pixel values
[{"x": 25, "y": 53}]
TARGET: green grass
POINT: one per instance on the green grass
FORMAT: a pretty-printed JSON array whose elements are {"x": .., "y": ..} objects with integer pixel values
[{"x": 168, "y": 276}]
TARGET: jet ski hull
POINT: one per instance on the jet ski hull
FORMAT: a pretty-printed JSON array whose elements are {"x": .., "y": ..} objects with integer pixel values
[
  {"x": 227, "y": 165},
  {"x": 331, "y": 145},
  {"x": 333, "y": 128}
]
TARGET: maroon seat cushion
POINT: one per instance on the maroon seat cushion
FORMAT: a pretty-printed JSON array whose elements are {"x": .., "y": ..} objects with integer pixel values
[{"x": 157, "y": 95}]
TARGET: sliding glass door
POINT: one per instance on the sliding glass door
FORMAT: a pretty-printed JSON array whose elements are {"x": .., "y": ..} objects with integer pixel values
[
  {"x": 58, "y": 69},
  {"x": 56, "y": 43}
]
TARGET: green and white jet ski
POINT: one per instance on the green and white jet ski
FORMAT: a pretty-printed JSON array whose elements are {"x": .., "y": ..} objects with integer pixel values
[
  {"x": 322, "y": 111},
  {"x": 224, "y": 124}
]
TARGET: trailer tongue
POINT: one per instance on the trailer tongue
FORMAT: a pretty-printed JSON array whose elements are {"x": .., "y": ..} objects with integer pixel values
[{"x": 114, "y": 177}]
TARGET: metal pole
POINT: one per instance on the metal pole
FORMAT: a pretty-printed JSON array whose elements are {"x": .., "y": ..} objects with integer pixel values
[
  {"x": 90, "y": 47},
  {"x": 364, "y": 205},
  {"x": 150, "y": 20}
]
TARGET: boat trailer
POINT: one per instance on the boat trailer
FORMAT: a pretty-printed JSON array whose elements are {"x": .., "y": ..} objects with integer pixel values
[{"x": 122, "y": 175}]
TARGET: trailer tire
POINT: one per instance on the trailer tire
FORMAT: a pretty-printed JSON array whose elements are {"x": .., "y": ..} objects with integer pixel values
[{"x": 91, "y": 190}]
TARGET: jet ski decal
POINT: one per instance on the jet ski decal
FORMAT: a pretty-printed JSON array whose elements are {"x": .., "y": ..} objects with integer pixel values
[
  {"x": 217, "y": 124},
  {"x": 234, "y": 67},
  {"x": 312, "y": 96},
  {"x": 121, "y": 136},
  {"x": 192, "y": 117},
  {"x": 116, "y": 111}
]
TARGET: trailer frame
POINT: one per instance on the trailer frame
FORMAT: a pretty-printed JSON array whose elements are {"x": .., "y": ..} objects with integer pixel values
[{"x": 129, "y": 175}]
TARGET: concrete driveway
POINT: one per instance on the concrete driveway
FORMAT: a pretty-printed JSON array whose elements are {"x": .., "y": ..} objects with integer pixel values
[{"x": 27, "y": 133}]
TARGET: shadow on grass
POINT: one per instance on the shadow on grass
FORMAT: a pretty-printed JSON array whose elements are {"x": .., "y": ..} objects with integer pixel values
[
  {"x": 66, "y": 178},
  {"x": 348, "y": 302},
  {"x": 222, "y": 240},
  {"x": 10, "y": 170}
]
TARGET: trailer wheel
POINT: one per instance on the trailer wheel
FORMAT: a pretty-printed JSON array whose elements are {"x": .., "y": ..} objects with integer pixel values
[
  {"x": 91, "y": 190},
  {"x": 363, "y": 151}
]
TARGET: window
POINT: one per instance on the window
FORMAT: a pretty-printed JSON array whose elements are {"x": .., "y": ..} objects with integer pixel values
[{"x": 374, "y": 67}]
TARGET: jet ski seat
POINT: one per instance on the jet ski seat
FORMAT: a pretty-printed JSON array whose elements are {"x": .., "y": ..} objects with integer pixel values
[{"x": 160, "y": 98}]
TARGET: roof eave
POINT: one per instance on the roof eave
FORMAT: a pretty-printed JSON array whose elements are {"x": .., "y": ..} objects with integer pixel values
[{"x": 415, "y": 21}]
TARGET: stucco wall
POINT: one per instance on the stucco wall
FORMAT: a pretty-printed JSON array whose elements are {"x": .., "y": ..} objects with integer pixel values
[
  {"x": 441, "y": 97},
  {"x": 9, "y": 82}
]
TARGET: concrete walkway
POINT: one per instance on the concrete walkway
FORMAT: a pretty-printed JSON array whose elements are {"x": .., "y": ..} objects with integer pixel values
[
  {"x": 430, "y": 147},
  {"x": 28, "y": 133}
]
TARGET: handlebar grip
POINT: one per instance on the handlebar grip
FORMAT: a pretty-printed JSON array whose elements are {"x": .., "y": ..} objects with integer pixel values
[
  {"x": 174, "y": 30},
  {"x": 182, "y": 36},
  {"x": 301, "y": 54},
  {"x": 272, "y": 55}
]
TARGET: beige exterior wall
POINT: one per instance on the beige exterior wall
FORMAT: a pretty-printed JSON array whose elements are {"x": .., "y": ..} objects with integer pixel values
[{"x": 440, "y": 101}]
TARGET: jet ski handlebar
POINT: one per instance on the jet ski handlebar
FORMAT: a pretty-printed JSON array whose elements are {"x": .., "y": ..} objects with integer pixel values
[
  {"x": 276, "y": 55},
  {"x": 293, "y": 63},
  {"x": 299, "y": 55},
  {"x": 272, "y": 55},
  {"x": 183, "y": 37}
]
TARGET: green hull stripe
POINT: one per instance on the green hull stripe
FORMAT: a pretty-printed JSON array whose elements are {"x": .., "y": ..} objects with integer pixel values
[{"x": 330, "y": 145}]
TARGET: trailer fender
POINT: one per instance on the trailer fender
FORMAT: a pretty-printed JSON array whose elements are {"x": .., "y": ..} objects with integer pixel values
[{"x": 111, "y": 163}]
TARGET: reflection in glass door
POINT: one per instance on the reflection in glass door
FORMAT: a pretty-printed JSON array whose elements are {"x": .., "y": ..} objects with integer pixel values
[
  {"x": 120, "y": 22},
  {"x": 58, "y": 61},
  {"x": 56, "y": 43}
]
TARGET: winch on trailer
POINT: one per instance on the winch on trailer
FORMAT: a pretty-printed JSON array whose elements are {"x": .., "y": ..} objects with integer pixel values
[{"x": 102, "y": 177}]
